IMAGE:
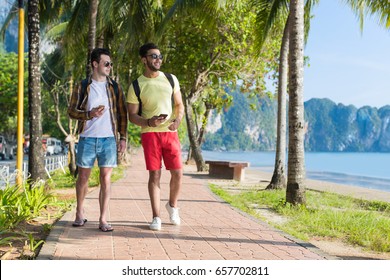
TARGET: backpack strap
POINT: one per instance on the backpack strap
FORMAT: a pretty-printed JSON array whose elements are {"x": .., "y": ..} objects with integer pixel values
[
  {"x": 137, "y": 92},
  {"x": 84, "y": 85},
  {"x": 170, "y": 79},
  {"x": 115, "y": 86}
]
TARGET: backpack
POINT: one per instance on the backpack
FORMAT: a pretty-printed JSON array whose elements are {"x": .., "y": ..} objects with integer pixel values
[
  {"x": 84, "y": 84},
  {"x": 137, "y": 90}
]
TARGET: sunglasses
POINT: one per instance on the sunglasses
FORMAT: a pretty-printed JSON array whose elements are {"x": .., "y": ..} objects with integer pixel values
[
  {"x": 155, "y": 56},
  {"x": 107, "y": 63}
]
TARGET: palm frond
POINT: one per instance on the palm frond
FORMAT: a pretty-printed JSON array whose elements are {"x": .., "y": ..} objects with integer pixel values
[
  {"x": 309, "y": 5},
  {"x": 268, "y": 13},
  {"x": 57, "y": 31},
  {"x": 375, "y": 8},
  {"x": 13, "y": 12}
]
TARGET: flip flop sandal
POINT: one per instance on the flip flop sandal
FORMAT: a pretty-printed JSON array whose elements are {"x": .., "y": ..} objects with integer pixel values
[
  {"x": 79, "y": 223},
  {"x": 106, "y": 228}
]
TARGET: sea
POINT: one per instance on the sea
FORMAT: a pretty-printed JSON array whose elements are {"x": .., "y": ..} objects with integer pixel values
[{"x": 367, "y": 170}]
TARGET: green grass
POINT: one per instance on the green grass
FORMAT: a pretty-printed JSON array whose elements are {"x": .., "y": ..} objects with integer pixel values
[{"x": 355, "y": 221}]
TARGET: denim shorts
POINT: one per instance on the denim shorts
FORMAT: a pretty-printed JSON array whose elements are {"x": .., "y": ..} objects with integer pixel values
[{"x": 91, "y": 148}]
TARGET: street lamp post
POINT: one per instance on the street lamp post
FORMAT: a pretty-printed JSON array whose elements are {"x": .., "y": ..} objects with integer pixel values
[{"x": 19, "y": 154}]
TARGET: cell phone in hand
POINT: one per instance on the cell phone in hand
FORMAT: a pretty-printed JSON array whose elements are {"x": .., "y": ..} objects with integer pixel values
[{"x": 162, "y": 116}]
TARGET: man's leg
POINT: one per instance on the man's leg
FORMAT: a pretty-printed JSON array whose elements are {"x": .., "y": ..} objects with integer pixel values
[
  {"x": 81, "y": 191},
  {"x": 105, "y": 193},
  {"x": 174, "y": 190},
  {"x": 175, "y": 186},
  {"x": 154, "y": 191}
]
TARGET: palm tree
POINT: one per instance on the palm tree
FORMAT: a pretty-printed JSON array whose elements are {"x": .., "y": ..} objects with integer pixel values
[
  {"x": 36, "y": 154},
  {"x": 295, "y": 193},
  {"x": 93, "y": 9},
  {"x": 268, "y": 13},
  {"x": 278, "y": 180}
]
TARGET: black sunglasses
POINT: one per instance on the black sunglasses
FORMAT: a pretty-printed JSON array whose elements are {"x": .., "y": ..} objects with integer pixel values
[
  {"x": 155, "y": 56},
  {"x": 107, "y": 63}
]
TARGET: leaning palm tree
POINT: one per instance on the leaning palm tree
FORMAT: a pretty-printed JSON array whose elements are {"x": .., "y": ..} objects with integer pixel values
[
  {"x": 269, "y": 13},
  {"x": 278, "y": 179}
]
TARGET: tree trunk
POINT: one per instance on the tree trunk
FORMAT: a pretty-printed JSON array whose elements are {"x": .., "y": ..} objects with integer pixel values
[
  {"x": 100, "y": 41},
  {"x": 295, "y": 193},
  {"x": 278, "y": 180},
  {"x": 195, "y": 149},
  {"x": 202, "y": 129},
  {"x": 71, "y": 137},
  {"x": 93, "y": 8},
  {"x": 36, "y": 166},
  {"x": 190, "y": 157}
]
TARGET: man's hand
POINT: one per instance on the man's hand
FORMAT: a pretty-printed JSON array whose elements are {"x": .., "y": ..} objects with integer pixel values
[
  {"x": 174, "y": 125},
  {"x": 156, "y": 121},
  {"x": 122, "y": 146},
  {"x": 97, "y": 111}
]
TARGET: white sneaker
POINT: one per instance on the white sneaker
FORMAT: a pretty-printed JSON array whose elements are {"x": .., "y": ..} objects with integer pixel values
[
  {"x": 156, "y": 224},
  {"x": 173, "y": 214}
]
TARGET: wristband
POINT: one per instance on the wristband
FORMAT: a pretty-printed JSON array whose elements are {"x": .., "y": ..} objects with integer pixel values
[{"x": 148, "y": 122}]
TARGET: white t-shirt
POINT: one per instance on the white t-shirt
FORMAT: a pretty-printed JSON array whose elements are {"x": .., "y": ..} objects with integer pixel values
[{"x": 102, "y": 126}]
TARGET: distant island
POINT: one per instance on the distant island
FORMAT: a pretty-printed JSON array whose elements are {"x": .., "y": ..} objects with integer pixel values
[{"x": 330, "y": 127}]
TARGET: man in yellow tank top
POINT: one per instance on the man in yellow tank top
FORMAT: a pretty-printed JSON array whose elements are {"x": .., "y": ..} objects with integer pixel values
[{"x": 159, "y": 122}]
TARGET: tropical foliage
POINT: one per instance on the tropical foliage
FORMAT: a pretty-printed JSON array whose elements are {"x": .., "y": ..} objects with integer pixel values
[
  {"x": 8, "y": 92},
  {"x": 208, "y": 44}
]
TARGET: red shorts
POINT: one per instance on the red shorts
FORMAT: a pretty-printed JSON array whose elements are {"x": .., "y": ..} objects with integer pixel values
[{"x": 161, "y": 145}]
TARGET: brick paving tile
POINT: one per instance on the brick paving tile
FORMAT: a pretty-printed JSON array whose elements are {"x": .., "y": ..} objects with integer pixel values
[{"x": 211, "y": 229}]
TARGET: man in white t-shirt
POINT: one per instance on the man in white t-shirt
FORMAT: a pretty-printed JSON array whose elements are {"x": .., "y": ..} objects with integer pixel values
[{"x": 98, "y": 103}]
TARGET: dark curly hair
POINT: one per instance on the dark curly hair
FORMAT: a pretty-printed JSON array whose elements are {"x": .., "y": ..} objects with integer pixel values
[
  {"x": 96, "y": 53},
  {"x": 143, "y": 50}
]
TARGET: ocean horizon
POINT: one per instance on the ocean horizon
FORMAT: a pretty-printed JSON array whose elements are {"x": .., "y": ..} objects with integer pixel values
[{"x": 367, "y": 170}]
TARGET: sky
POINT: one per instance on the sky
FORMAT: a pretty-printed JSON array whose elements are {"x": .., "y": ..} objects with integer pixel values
[{"x": 346, "y": 65}]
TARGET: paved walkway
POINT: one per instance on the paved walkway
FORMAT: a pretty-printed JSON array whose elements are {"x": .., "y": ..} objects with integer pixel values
[{"x": 210, "y": 229}]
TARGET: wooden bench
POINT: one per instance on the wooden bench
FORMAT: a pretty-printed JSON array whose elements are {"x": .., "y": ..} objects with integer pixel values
[{"x": 227, "y": 169}]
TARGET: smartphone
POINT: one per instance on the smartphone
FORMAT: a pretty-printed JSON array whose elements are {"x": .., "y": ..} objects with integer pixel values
[{"x": 162, "y": 116}]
